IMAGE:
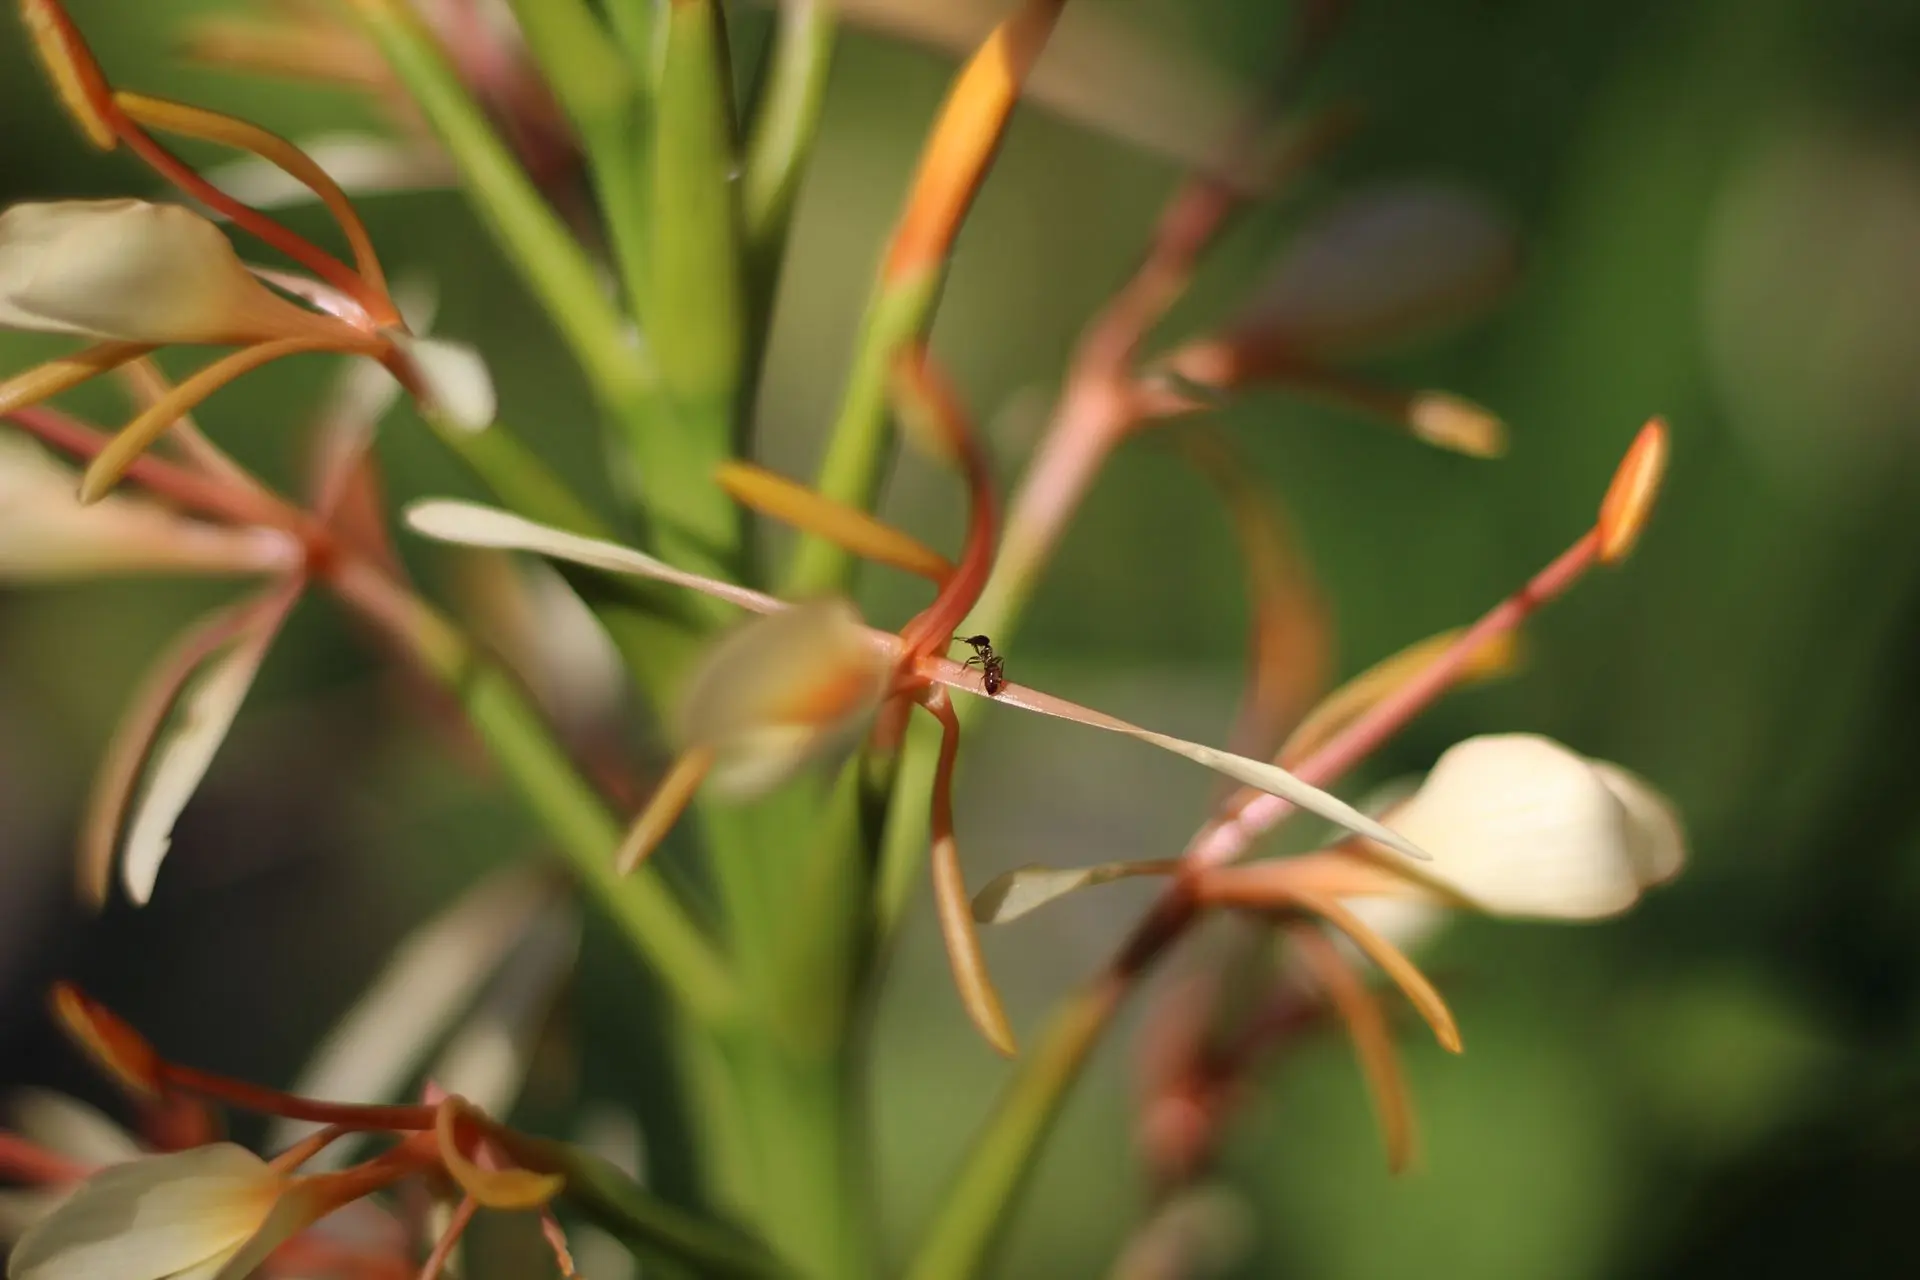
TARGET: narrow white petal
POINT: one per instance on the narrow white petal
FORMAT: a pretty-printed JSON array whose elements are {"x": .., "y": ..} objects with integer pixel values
[
  {"x": 471, "y": 524},
  {"x": 185, "y": 751},
  {"x": 382, "y": 1043},
  {"x": 1274, "y": 780},
  {"x": 487, "y": 1060},
  {"x": 71, "y": 1127},
  {"x": 363, "y": 164}
]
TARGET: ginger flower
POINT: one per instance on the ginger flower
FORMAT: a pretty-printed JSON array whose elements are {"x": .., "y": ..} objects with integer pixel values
[
  {"x": 207, "y": 1212},
  {"x": 131, "y": 276},
  {"x": 805, "y": 673},
  {"x": 211, "y": 1210}
]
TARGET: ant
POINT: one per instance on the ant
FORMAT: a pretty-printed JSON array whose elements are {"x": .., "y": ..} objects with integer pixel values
[{"x": 993, "y": 668}]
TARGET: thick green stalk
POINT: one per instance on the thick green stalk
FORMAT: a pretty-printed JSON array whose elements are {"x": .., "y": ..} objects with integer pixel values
[
  {"x": 576, "y": 819},
  {"x": 581, "y": 63},
  {"x": 696, "y": 308},
  {"x": 554, "y": 265},
  {"x": 785, "y": 126}
]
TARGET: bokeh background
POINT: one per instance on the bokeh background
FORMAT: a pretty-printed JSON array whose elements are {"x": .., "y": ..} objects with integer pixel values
[{"x": 1720, "y": 201}]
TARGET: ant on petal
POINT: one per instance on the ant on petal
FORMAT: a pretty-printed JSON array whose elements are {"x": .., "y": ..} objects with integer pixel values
[{"x": 993, "y": 668}]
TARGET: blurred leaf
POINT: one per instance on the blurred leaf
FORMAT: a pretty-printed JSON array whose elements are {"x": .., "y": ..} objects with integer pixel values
[{"x": 1027, "y": 889}]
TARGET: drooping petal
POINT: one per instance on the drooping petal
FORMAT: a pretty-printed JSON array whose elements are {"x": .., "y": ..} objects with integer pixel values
[
  {"x": 1521, "y": 826},
  {"x": 181, "y": 756},
  {"x": 152, "y": 1218},
  {"x": 130, "y": 271},
  {"x": 1026, "y": 889}
]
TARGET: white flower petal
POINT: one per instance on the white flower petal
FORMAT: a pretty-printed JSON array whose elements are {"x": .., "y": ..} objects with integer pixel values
[
  {"x": 1521, "y": 826},
  {"x": 453, "y": 379},
  {"x": 374, "y": 1052},
  {"x": 152, "y": 1218},
  {"x": 363, "y": 164},
  {"x": 487, "y": 1061},
  {"x": 130, "y": 271},
  {"x": 1658, "y": 841},
  {"x": 185, "y": 752},
  {"x": 47, "y": 536},
  {"x": 474, "y": 525},
  {"x": 71, "y": 1127}
]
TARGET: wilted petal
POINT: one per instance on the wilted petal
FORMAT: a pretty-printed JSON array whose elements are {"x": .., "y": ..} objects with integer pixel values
[
  {"x": 779, "y": 688},
  {"x": 152, "y": 1218},
  {"x": 130, "y": 271},
  {"x": 45, "y": 535},
  {"x": 1521, "y": 826}
]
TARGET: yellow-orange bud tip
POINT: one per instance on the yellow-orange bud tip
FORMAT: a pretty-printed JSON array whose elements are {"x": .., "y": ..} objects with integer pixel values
[{"x": 1630, "y": 498}]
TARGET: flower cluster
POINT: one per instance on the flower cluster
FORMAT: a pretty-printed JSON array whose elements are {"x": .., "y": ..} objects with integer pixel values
[{"x": 761, "y": 690}]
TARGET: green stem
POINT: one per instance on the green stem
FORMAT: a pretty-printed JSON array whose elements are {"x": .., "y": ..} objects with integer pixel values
[
  {"x": 582, "y": 829},
  {"x": 858, "y": 447},
  {"x": 580, "y": 62},
  {"x": 696, "y": 303},
  {"x": 553, "y": 264},
  {"x": 785, "y": 126},
  {"x": 971, "y": 1219}
]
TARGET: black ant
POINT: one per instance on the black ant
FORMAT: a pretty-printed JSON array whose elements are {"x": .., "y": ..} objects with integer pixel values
[{"x": 993, "y": 668}]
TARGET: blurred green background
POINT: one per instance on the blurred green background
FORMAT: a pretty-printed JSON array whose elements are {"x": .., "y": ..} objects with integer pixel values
[{"x": 1721, "y": 206}]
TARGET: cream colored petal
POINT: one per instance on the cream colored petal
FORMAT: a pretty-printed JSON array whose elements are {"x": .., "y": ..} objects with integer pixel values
[
  {"x": 152, "y": 1218},
  {"x": 487, "y": 1060},
  {"x": 20, "y": 1209},
  {"x": 185, "y": 752},
  {"x": 375, "y": 1051},
  {"x": 1521, "y": 826},
  {"x": 71, "y": 1127},
  {"x": 131, "y": 271},
  {"x": 1658, "y": 840},
  {"x": 47, "y": 536},
  {"x": 782, "y": 686},
  {"x": 452, "y": 380}
]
